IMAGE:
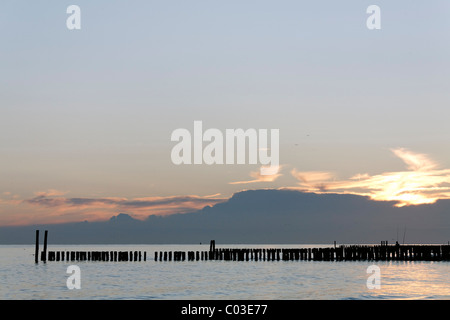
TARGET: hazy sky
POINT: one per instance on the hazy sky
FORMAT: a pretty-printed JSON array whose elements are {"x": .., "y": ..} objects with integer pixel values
[{"x": 88, "y": 114}]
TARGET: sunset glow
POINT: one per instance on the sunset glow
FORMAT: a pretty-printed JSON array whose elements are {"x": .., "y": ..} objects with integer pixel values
[{"x": 423, "y": 183}]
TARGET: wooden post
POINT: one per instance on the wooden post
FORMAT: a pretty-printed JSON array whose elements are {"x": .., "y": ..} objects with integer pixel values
[
  {"x": 44, "y": 254},
  {"x": 36, "y": 250}
]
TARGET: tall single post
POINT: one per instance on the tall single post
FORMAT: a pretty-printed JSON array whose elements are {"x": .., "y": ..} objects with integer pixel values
[
  {"x": 212, "y": 246},
  {"x": 44, "y": 255},
  {"x": 36, "y": 251}
]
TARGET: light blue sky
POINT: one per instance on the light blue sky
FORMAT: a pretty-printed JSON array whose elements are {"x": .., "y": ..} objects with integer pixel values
[{"x": 91, "y": 111}]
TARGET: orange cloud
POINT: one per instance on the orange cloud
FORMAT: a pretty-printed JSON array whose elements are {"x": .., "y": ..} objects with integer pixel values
[
  {"x": 313, "y": 179},
  {"x": 258, "y": 177},
  {"x": 51, "y": 207},
  {"x": 423, "y": 182},
  {"x": 50, "y": 193}
]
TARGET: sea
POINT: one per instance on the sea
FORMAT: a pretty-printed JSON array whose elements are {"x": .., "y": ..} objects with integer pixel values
[{"x": 22, "y": 279}]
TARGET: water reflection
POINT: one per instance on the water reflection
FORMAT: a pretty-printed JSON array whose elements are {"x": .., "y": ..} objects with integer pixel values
[
  {"x": 288, "y": 280},
  {"x": 413, "y": 280}
]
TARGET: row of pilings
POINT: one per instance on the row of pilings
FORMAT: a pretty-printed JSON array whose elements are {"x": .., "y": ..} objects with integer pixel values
[
  {"x": 383, "y": 252},
  {"x": 85, "y": 255},
  {"x": 341, "y": 253},
  {"x": 96, "y": 256}
]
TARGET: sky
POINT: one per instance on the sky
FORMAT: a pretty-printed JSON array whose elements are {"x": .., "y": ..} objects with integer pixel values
[{"x": 86, "y": 116}]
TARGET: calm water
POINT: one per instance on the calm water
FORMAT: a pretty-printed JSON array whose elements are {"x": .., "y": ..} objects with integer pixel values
[{"x": 21, "y": 278}]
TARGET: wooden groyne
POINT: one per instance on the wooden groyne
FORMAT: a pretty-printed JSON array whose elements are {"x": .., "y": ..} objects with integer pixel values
[
  {"x": 64, "y": 255},
  {"x": 341, "y": 253},
  {"x": 382, "y": 252},
  {"x": 96, "y": 256}
]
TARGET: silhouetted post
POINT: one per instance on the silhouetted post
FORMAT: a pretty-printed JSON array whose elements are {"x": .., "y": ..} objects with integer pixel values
[
  {"x": 212, "y": 246},
  {"x": 44, "y": 256},
  {"x": 36, "y": 250}
]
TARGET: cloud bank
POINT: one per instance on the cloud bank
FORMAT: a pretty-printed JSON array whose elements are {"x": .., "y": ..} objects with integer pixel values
[{"x": 53, "y": 207}]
